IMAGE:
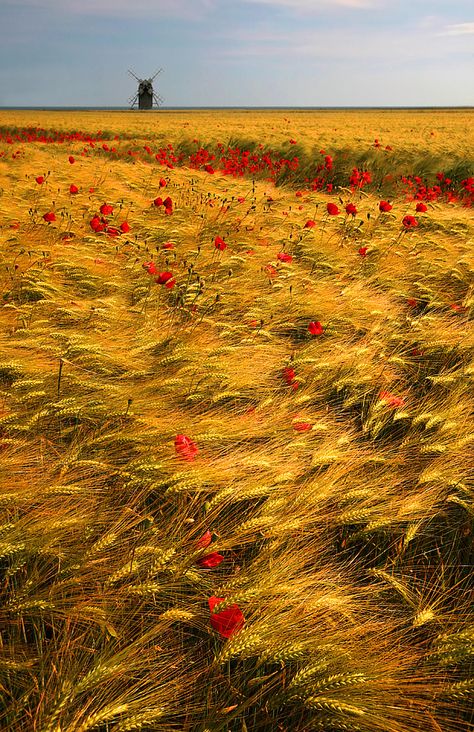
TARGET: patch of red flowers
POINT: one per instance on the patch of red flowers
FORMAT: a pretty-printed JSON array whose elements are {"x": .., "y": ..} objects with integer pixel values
[
  {"x": 40, "y": 180},
  {"x": 210, "y": 560},
  {"x": 150, "y": 267},
  {"x": 409, "y": 222},
  {"x": 220, "y": 244},
  {"x": 310, "y": 224},
  {"x": 166, "y": 279},
  {"x": 385, "y": 206},
  {"x": 332, "y": 209},
  {"x": 125, "y": 227},
  {"x": 185, "y": 447},
  {"x": 284, "y": 257},
  {"x": 228, "y": 621},
  {"x": 421, "y": 207},
  {"x": 315, "y": 328},
  {"x": 204, "y": 541},
  {"x": 73, "y": 189},
  {"x": 71, "y": 159},
  {"x": 49, "y": 216},
  {"x": 302, "y": 426},
  {"x": 106, "y": 209},
  {"x": 391, "y": 399},
  {"x": 351, "y": 210},
  {"x": 363, "y": 251}
]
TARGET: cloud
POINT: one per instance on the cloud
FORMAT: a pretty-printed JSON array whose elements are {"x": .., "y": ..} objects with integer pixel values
[
  {"x": 186, "y": 9},
  {"x": 458, "y": 29},
  {"x": 309, "y": 6}
]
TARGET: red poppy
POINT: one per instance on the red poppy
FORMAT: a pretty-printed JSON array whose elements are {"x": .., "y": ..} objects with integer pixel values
[
  {"x": 421, "y": 207},
  {"x": 391, "y": 399},
  {"x": 150, "y": 267},
  {"x": 158, "y": 201},
  {"x": 40, "y": 180},
  {"x": 363, "y": 251},
  {"x": 50, "y": 216},
  {"x": 210, "y": 560},
  {"x": 284, "y": 257},
  {"x": 289, "y": 374},
  {"x": 204, "y": 541},
  {"x": 220, "y": 244},
  {"x": 73, "y": 189},
  {"x": 409, "y": 222},
  {"x": 310, "y": 224},
  {"x": 106, "y": 209},
  {"x": 125, "y": 227},
  {"x": 385, "y": 206},
  {"x": 351, "y": 209},
  {"x": 165, "y": 278},
  {"x": 332, "y": 209},
  {"x": 315, "y": 328},
  {"x": 71, "y": 159},
  {"x": 112, "y": 231},
  {"x": 168, "y": 245},
  {"x": 302, "y": 426},
  {"x": 162, "y": 183},
  {"x": 168, "y": 203},
  {"x": 96, "y": 224},
  {"x": 185, "y": 447},
  {"x": 228, "y": 621}
]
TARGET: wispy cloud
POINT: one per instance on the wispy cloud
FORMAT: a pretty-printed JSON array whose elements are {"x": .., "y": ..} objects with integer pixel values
[
  {"x": 458, "y": 29},
  {"x": 119, "y": 8},
  {"x": 309, "y": 6}
]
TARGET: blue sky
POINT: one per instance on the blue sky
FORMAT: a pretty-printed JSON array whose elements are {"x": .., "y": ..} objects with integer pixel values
[{"x": 238, "y": 52}]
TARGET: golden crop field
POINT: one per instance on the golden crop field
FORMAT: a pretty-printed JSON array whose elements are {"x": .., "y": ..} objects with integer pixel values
[{"x": 236, "y": 425}]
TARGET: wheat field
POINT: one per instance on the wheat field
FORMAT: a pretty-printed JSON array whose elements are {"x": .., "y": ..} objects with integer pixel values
[{"x": 236, "y": 425}]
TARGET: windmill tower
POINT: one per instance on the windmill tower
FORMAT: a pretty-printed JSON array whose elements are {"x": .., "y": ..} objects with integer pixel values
[{"x": 145, "y": 96}]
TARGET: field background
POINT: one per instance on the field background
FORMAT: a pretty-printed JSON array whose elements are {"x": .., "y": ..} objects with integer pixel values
[{"x": 328, "y": 465}]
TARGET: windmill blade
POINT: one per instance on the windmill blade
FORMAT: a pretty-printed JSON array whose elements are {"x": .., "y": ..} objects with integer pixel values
[
  {"x": 134, "y": 75},
  {"x": 133, "y": 100},
  {"x": 158, "y": 100},
  {"x": 156, "y": 74}
]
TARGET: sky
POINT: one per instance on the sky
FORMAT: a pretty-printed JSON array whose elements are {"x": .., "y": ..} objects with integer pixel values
[{"x": 238, "y": 53}]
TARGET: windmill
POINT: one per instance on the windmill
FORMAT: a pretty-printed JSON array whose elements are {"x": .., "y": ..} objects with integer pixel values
[{"x": 145, "y": 96}]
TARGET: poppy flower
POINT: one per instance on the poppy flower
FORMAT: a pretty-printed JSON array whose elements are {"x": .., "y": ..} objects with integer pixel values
[
  {"x": 289, "y": 374},
  {"x": 228, "y": 621},
  {"x": 351, "y": 209},
  {"x": 204, "y": 541},
  {"x": 162, "y": 183},
  {"x": 106, "y": 209},
  {"x": 125, "y": 227},
  {"x": 150, "y": 267},
  {"x": 50, "y": 216},
  {"x": 363, "y": 251},
  {"x": 385, "y": 206},
  {"x": 391, "y": 399},
  {"x": 168, "y": 245},
  {"x": 165, "y": 278},
  {"x": 284, "y": 257},
  {"x": 168, "y": 203},
  {"x": 310, "y": 224},
  {"x": 96, "y": 224},
  {"x": 210, "y": 560},
  {"x": 71, "y": 159},
  {"x": 39, "y": 180},
  {"x": 421, "y": 207},
  {"x": 158, "y": 201},
  {"x": 409, "y": 222},
  {"x": 220, "y": 244},
  {"x": 332, "y": 209},
  {"x": 185, "y": 447},
  {"x": 73, "y": 189},
  {"x": 112, "y": 231},
  {"x": 315, "y": 328},
  {"x": 302, "y": 426}
]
